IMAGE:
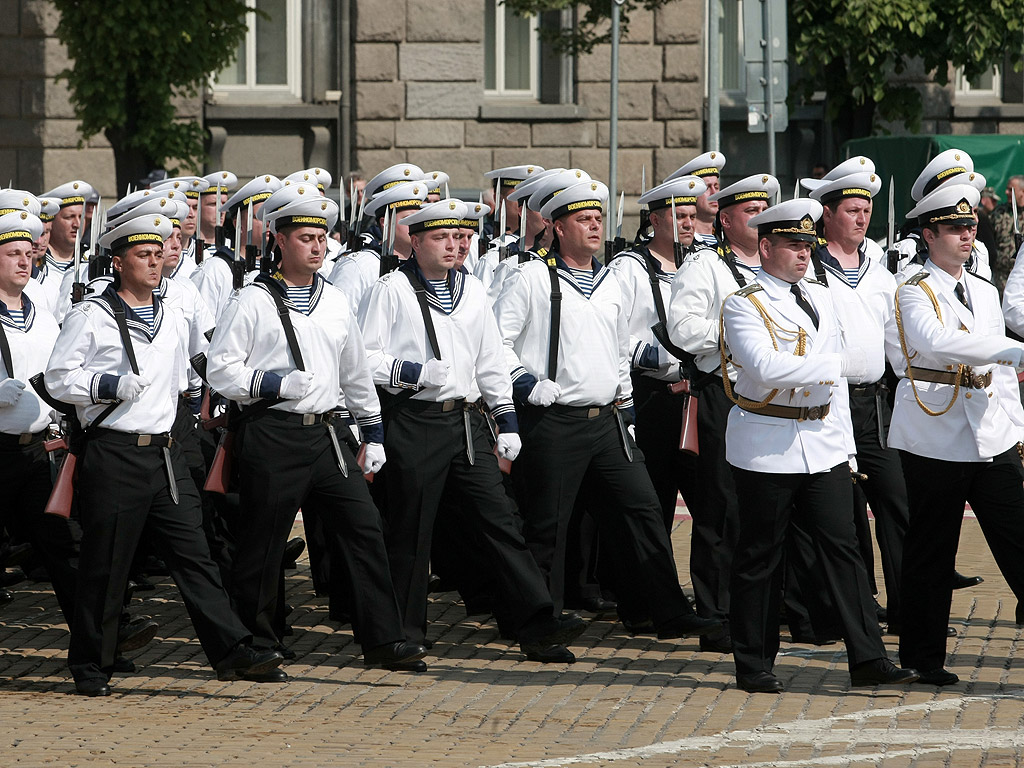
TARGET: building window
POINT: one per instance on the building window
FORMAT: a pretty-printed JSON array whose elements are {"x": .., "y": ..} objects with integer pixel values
[
  {"x": 987, "y": 85},
  {"x": 730, "y": 45},
  {"x": 268, "y": 65},
  {"x": 511, "y": 53}
]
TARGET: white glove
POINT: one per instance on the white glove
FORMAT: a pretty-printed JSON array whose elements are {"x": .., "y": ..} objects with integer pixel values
[
  {"x": 10, "y": 391},
  {"x": 509, "y": 446},
  {"x": 632, "y": 431},
  {"x": 373, "y": 458},
  {"x": 854, "y": 363},
  {"x": 544, "y": 393},
  {"x": 130, "y": 386},
  {"x": 295, "y": 385},
  {"x": 853, "y": 464},
  {"x": 434, "y": 373}
]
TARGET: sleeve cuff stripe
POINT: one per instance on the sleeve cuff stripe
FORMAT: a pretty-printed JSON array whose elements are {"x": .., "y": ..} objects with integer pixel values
[
  {"x": 518, "y": 373},
  {"x": 254, "y": 386}
]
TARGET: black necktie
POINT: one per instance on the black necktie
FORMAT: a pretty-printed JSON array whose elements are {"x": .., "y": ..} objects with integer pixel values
[
  {"x": 962, "y": 295},
  {"x": 804, "y": 304}
]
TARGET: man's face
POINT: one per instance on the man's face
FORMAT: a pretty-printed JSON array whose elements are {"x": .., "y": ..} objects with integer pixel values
[
  {"x": 784, "y": 258},
  {"x": 188, "y": 226},
  {"x": 951, "y": 245},
  {"x": 302, "y": 249},
  {"x": 1016, "y": 189},
  {"x": 465, "y": 238},
  {"x": 849, "y": 221},
  {"x": 580, "y": 233},
  {"x": 141, "y": 266},
  {"x": 706, "y": 209},
  {"x": 15, "y": 265},
  {"x": 402, "y": 242},
  {"x": 735, "y": 218},
  {"x": 65, "y": 224},
  {"x": 172, "y": 251},
  {"x": 39, "y": 246},
  {"x": 686, "y": 221},
  {"x": 437, "y": 251},
  {"x": 511, "y": 209},
  {"x": 208, "y": 210}
]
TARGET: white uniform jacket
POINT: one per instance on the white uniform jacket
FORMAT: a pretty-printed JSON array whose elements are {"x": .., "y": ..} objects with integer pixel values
[
  {"x": 50, "y": 277},
  {"x": 354, "y": 274},
  {"x": 699, "y": 287},
  {"x": 982, "y": 422},
  {"x": 909, "y": 247},
  {"x": 593, "y": 339},
  {"x": 249, "y": 353},
  {"x": 646, "y": 353},
  {"x": 89, "y": 357},
  {"x": 468, "y": 340},
  {"x": 771, "y": 444},
  {"x": 1013, "y": 296},
  {"x": 30, "y": 351}
]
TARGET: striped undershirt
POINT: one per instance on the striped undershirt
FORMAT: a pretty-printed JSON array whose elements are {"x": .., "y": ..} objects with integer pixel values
[
  {"x": 299, "y": 296},
  {"x": 852, "y": 276},
  {"x": 145, "y": 314},
  {"x": 18, "y": 316},
  {"x": 585, "y": 279},
  {"x": 444, "y": 295},
  {"x": 63, "y": 266}
]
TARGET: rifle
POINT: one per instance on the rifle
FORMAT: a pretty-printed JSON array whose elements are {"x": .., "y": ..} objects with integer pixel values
[
  {"x": 1017, "y": 237},
  {"x": 78, "y": 287},
  {"x": 252, "y": 252},
  {"x": 63, "y": 491},
  {"x": 502, "y": 245},
  {"x": 619, "y": 242},
  {"x": 892, "y": 256},
  {"x": 237, "y": 263},
  {"x": 355, "y": 221},
  {"x": 483, "y": 244}
]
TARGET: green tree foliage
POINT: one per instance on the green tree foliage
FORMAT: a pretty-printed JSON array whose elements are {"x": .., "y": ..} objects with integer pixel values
[
  {"x": 852, "y": 49},
  {"x": 591, "y": 27},
  {"x": 131, "y": 58}
]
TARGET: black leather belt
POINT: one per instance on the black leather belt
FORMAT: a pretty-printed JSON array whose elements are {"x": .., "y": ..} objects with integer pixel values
[
  {"x": 868, "y": 390},
  {"x": 442, "y": 406},
  {"x": 582, "y": 411},
  {"x": 131, "y": 438},
  {"x": 305, "y": 419},
  {"x": 25, "y": 438},
  {"x": 807, "y": 413},
  {"x": 966, "y": 377}
]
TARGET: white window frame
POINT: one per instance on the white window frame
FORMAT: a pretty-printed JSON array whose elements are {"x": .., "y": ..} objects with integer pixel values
[
  {"x": 499, "y": 91},
  {"x": 962, "y": 86},
  {"x": 250, "y": 91}
]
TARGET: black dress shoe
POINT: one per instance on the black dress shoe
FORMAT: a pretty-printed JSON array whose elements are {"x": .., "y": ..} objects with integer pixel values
[
  {"x": 276, "y": 675},
  {"x": 136, "y": 634},
  {"x": 122, "y": 666},
  {"x": 554, "y": 654},
  {"x": 416, "y": 666},
  {"x": 803, "y": 639},
  {"x": 644, "y": 627},
  {"x": 893, "y": 628},
  {"x": 401, "y": 652},
  {"x": 760, "y": 682},
  {"x": 688, "y": 625},
  {"x": 721, "y": 644},
  {"x": 6, "y": 597},
  {"x": 142, "y": 584},
  {"x": 292, "y": 550},
  {"x": 938, "y": 676},
  {"x": 245, "y": 660},
  {"x": 550, "y": 631},
  {"x": 950, "y": 631},
  {"x": 92, "y": 687},
  {"x": 963, "y": 582},
  {"x": 599, "y": 605},
  {"x": 880, "y": 613},
  {"x": 286, "y": 653},
  {"x": 880, "y": 672}
]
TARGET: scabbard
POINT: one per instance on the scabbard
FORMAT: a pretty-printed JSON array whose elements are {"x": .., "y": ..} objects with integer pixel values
[
  {"x": 172, "y": 484},
  {"x": 878, "y": 419},
  {"x": 336, "y": 447},
  {"x": 467, "y": 426},
  {"x": 624, "y": 434}
]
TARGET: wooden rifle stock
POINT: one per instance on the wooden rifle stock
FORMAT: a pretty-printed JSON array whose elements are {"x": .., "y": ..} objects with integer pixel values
[
  {"x": 688, "y": 430},
  {"x": 218, "y": 480},
  {"x": 63, "y": 492}
]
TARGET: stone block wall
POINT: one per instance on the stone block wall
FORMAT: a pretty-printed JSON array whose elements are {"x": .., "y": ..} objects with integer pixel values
[{"x": 420, "y": 96}]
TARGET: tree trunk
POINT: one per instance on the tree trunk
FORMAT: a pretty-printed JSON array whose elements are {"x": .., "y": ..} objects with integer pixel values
[{"x": 130, "y": 164}]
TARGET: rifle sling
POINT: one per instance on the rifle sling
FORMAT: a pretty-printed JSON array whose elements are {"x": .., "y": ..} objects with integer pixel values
[
  {"x": 5, "y": 352},
  {"x": 428, "y": 325},
  {"x": 556, "y": 319}
]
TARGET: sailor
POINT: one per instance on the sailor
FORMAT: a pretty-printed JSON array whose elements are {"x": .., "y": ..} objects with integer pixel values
[
  {"x": 957, "y": 423},
  {"x": 708, "y": 168},
  {"x": 699, "y": 287},
  {"x": 215, "y": 277},
  {"x": 505, "y": 181},
  {"x": 569, "y": 361},
  {"x": 355, "y": 273},
  {"x": 383, "y": 181},
  {"x": 60, "y": 252},
  {"x": 119, "y": 360},
  {"x": 321, "y": 179},
  {"x": 642, "y": 270},
  {"x": 429, "y": 333},
  {"x": 212, "y": 200},
  {"x": 862, "y": 293},
  {"x": 788, "y": 442},
  {"x": 286, "y": 349},
  {"x": 855, "y": 164},
  {"x": 192, "y": 187}
]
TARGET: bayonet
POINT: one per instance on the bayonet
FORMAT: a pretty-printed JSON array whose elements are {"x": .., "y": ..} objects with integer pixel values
[
  {"x": 677, "y": 249},
  {"x": 482, "y": 243},
  {"x": 796, "y": 190},
  {"x": 251, "y": 251},
  {"x": 892, "y": 256},
  {"x": 522, "y": 225},
  {"x": 1017, "y": 238},
  {"x": 620, "y": 243},
  {"x": 342, "y": 223},
  {"x": 502, "y": 247},
  {"x": 218, "y": 228},
  {"x": 447, "y": 192},
  {"x": 643, "y": 180},
  {"x": 352, "y": 204},
  {"x": 354, "y": 235},
  {"x": 77, "y": 288}
]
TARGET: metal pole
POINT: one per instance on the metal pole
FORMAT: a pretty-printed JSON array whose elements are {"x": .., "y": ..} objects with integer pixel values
[
  {"x": 613, "y": 118},
  {"x": 769, "y": 87},
  {"x": 714, "y": 76},
  {"x": 345, "y": 84}
]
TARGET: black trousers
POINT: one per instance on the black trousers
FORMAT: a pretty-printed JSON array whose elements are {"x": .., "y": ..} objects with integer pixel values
[
  {"x": 25, "y": 479},
  {"x": 123, "y": 490},
  {"x": 426, "y": 450},
  {"x": 659, "y": 418},
  {"x": 886, "y": 492},
  {"x": 284, "y": 465},
  {"x": 716, "y": 516},
  {"x": 560, "y": 448},
  {"x": 822, "y": 503},
  {"x": 938, "y": 491}
]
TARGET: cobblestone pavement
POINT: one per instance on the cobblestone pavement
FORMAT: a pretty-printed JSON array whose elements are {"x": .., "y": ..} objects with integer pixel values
[{"x": 626, "y": 702}]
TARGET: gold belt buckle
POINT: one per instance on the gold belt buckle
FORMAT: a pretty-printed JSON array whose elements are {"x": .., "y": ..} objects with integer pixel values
[
  {"x": 308, "y": 419},
  {"x": 814, "y": 413},
  {"x": 25, "y": 438},
  {"x": 447, "y": 405},
  {"x": 144, "y": 440},
  {"x": 593, "y": 413}
]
